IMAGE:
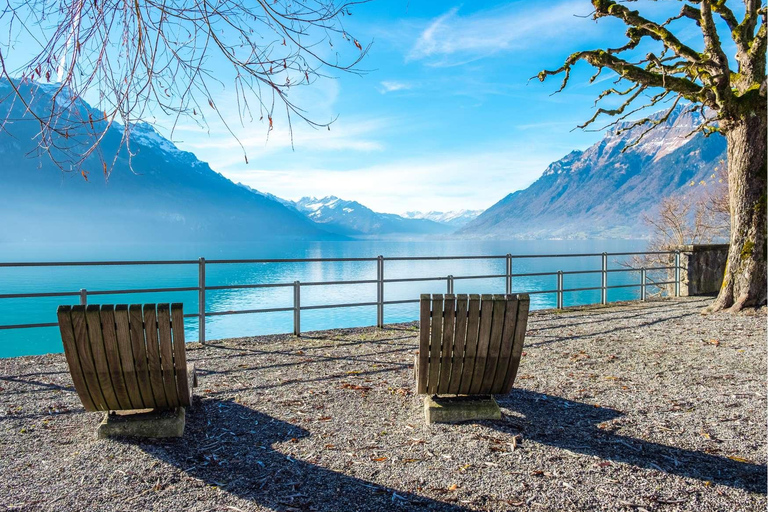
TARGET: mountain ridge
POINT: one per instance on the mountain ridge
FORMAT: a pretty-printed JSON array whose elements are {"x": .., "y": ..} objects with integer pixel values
[
  {"x": 163, "y": 195},
  {"x": 604, "y": 190}
]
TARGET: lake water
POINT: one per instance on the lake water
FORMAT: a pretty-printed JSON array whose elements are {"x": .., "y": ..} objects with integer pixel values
[{"x": 17, "y": 342}]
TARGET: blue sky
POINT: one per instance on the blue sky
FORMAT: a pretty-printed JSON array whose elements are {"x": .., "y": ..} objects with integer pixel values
[{"x": 444, "y": 118}]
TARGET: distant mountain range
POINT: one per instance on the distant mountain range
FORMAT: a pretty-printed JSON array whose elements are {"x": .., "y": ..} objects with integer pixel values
[
  {"x": 351, "y": 218},
  {"x": 603, "y": 192},
  {"x": 455, "y": 219},
  {"x": 170, "y": 195}
]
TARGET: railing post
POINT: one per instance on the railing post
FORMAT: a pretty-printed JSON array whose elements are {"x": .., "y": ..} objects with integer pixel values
[
  {"x": 677, "y": 273},
  {"x": 559, "y": 289},
  {"x": 297, "y": 308},
  {"x": 201, "y": 299},
  {"x": 604, "y": 283},
  {"x": 83, "y": 296},
  {"x": 642, "y": 284},
  {"x": 509, "y": 275},
  {"x": 380, "y": 291},
  {"x": 449, "y": 285}
]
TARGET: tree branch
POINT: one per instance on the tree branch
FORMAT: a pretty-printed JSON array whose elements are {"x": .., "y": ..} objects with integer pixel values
[
  {"x": 600, "y": 58},
  {"x": 646, "y": 27}
]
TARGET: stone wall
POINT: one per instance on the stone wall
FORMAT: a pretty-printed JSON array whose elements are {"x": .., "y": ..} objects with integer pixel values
[{"x": 702, "y": 268}]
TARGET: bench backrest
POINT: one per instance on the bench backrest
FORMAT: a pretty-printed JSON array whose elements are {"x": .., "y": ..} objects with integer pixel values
[
  {"x": 470, "y": 344},
  {"x": 126, "y": 357}
]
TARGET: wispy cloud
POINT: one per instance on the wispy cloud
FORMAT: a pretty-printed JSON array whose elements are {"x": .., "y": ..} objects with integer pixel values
[
  {"x": 465, "y": 180},
  {"x": 453, "y": 39},
  {"x": 392, "y": 86}
]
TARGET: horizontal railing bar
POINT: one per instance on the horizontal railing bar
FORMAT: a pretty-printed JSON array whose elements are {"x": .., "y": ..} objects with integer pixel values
[
  {"x": 246, "y": 311},
  {"x": 143, "y": 290},
  {"x": 288, "y": 260},
  {"x": 437, "y": 258},
  {"x": 26, "y": 326},
  {"x": 350, "y": 305},
  {"x": 277, "y": 310},
  {"x": 333, "y": 283},
  {"x": 534, "y": 274},
  {"x": 30, "y": 295},
  {"x": 491, "y": 276},
  {"x": 313, "y": 283},
  {"x": 542, "y": 291},
  {"x": 95, "y": 263},
  {"x": 413, "y": 279},
  {"x": 310, "y": 260},
  {"x": 586, "y": 289},
  {"x": 635, "y": 285},
  {"x": 651, "y": 283},
  {"x": 639, "y": 253},
  {"x": 404, "y": 301},
  {"x": 244, "y": 286}
]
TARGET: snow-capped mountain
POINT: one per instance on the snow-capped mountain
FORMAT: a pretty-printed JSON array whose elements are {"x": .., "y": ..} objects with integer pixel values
[
  {"x": 455, "y": 219},
  {"x": 604, "y": 191},
  {"x": 167, "y": 196},
  {"x": 354, "y": 219}
]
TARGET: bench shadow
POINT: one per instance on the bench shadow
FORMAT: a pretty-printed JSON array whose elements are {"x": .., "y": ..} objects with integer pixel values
[
  {"x": 230, "y": 445},
  {"x": 571, "y": 425}
]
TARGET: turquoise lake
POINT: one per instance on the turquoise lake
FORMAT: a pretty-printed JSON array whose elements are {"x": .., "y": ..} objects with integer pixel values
[{"x": 18, "y": 342}]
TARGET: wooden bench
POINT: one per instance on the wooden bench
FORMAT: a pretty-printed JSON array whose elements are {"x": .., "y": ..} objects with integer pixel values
[
  {"x": 127, "y": 358},
  {"x": 470, "y": 345}
]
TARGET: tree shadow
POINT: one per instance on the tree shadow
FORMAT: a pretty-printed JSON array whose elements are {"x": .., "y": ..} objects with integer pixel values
[
  {"x": 611, "y": 330},
  {"x": 231, "y": 446},
  {"x": 570, "y": 425}
]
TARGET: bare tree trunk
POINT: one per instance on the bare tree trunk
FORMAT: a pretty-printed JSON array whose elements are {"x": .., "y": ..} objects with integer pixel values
[{"x": 744, "y": 283}]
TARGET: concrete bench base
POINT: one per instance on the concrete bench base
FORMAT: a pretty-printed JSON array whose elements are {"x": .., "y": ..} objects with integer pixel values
[
  {"x": 143, "y": 423},
  {"x": 455, "y": 409}
]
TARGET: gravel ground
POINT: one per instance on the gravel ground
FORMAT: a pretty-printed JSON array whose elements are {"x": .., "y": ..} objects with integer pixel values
[{"x": 638, "y": 406}]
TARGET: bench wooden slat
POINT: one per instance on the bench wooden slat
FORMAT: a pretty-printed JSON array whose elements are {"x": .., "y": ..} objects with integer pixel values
[
  {"x": 96, "y": 337},
  {"x": 109, "y": 333},
  {"x": 494, "y": 345},
  {"x": 434, "y": 346},
  {"x": 470, "y": 347},
  {"x": 459, "y": 339},
  {"x": 73, "y": 359},
  {"x": 126, "y": 357},
  {"x": 449, "y": 319},
  {"x": 483, "y": 340},
  {"x": 473, "y": 345},
  {"x": 180, "y": 354},
  {"x": 85, "y": 354},
  {"x": 424, "y": 328},
  {"x": 507, "y": 340},
  {"x": 122, "y": 330},
  {"x": 166, "y": 354},
  {"x": 138, "y": 343},
  {"x": 153, "y": 356},
  {"x": 519, "y": 336}
]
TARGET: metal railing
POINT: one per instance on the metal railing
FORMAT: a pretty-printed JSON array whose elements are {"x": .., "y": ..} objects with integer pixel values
[{"x": 380, "y": 281}]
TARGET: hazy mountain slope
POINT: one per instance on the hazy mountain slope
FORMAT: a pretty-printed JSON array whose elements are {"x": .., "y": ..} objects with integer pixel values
[
  {"x": 455, "y": 219},
  {"x": 352, "y": 218},
  {"x": 169, "y": 196},
  {"x": 603, "y": 191}
]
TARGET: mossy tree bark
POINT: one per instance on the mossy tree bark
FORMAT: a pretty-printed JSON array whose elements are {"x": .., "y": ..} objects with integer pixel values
[
  {"x": 733, "y": 102},
  {"x": 744, "y": 283}
]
